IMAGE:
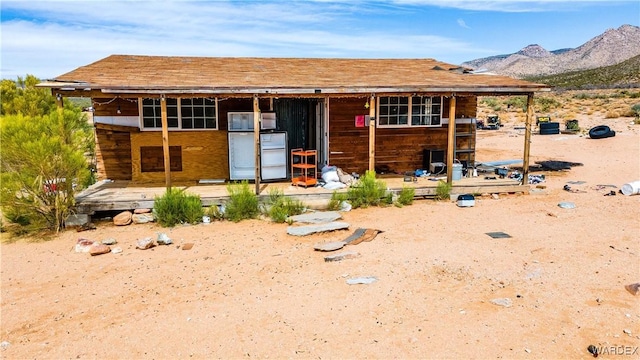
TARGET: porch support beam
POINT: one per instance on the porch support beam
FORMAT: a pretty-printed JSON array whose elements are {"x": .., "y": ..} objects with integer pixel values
[
  {"x": 372, "y": 133},
  {"x": 165, "y": 141},
  {"x": 451, "y": 138},
  {"x": 527, "y": 140},
  {"x": 256, "y": 139}
]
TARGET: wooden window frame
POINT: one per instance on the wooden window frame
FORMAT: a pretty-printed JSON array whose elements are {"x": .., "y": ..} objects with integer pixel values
[
  {"x": 176, "y": 117},
  {"x": 406, "y": 107}
]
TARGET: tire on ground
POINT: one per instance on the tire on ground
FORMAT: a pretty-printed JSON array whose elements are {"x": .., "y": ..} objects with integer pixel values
[{"x": 601, "y": 132}]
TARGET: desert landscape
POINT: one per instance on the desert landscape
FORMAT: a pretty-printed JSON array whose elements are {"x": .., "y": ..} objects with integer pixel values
[{"x": 443, "y": 288}]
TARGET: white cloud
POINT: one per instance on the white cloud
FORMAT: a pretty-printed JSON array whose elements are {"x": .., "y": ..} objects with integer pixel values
[
  {"x": 51, "y": 38},
  {"x": 463, "y": 24}
]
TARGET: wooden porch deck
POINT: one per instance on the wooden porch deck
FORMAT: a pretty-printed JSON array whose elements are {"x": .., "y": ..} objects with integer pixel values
[{"x": 125, "y": 195}]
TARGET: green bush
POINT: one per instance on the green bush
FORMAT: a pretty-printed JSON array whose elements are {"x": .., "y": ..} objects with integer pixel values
[
  {"x": 336, "y": 201},
  {"x": 517, "y": 102},
  {"x": 636, "y": 110},
  {"x": 214, "y": 213},
  {"x": 176, "y": 206},
  {"x": 443, "y": 190},
  {"x": 279, "y": 207},
  {"x": 368, "y": 191},
  {"x": 43, "y": 166},
  {"x": 405, "y": 197},
  {"x": 544, "y": 104},
  {"x": 242, "y": 204}
]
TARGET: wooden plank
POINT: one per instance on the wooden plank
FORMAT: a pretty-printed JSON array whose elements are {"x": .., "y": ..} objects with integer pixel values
[
  {"x": 451, "y": 138},
  {"x": 165, "y": 143},
  {"x": 119, "y": 128},
  {"x": 372, "y": 134},
  {"x": 113, "y": 155},
  {"x": 527, "y": 139},
  {"x": 256, "y": 140}
]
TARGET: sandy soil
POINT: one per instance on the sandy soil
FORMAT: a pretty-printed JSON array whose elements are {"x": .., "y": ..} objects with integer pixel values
[{"x": 249, "y": 290}]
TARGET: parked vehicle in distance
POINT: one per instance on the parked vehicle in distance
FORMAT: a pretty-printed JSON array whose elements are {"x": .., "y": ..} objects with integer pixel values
[{"x": 492, "y": 123}]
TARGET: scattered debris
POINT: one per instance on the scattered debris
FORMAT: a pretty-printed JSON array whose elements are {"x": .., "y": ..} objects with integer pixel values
[
  {"x": 317, "y": 217},
  {"x": 87, "y": 226},
  {"x": 4, "y": 345},
  {"x": 341, "y": 256},
  {"x": 362, "y": 280},
  {"x": 466, "y": 200},
  {"x": 601, "y": 132},
  {"x": 163, "y": 239},
  {"x": 506, "y": 302},
  {"x": 632, "y": 188},
  {"x": 610, "y": 193},
  {"x": 567, "y": 205},
  {"x": 498, "y": 235},
  {"x": 311, "y": 229},
  {"x": 109, "y": 241},
  {"x": 122, "y": 219},
  {"x": 555, "y": 165},
  {"x": 593, "y": 350},
  {"x": 330, "y": 246},
  {"x": 576, "y": 182},
  {"x": 83, "y": 245},
  {"x": 627, "y": 331},
  {"x": 187, "y": 246},
  {"x": 99, "y": 249},
  {"x": 144, "y": 244},
  {"x": 361, "y": 235},
  {"x": 569, "y": 189},
  {"x": 633, "y": 289}
]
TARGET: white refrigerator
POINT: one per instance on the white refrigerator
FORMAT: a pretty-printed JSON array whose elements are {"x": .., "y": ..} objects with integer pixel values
[{"x": 273, "y": 155}]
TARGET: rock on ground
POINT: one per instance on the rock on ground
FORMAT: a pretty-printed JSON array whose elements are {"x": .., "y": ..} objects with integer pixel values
[{"x": 122, "y": 219}]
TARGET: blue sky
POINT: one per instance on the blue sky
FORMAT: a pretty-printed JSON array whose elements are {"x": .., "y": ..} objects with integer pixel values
[{"x": 50, "y": 38}]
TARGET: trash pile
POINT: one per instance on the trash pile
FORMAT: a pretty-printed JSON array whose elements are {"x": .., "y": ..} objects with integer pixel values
[
  {"x": 533, "y": 179},
  {"x": 333, "y": 178}
]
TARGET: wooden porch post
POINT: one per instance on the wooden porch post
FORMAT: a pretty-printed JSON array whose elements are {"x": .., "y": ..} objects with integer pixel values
[
  {"x": 256, "y": 139},
  {"x": 527, "y": 140},
  {"x": 372, "y": 133},
  {"x": 165, "y": 142},
  {"x": 451, "y": 138}
]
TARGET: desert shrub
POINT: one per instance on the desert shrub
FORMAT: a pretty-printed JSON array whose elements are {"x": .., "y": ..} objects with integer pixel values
[
  {"x": 492, "y": 103},
  {"x": 517, "y": 102},
  {"x": 635, "y": 109},
  {"x": 175, "y": 207},
  {"x": 279, "y": 207},
  {"x": 405, "y": 196},
  {"x": 215, "y": 213},
  {"x": 336, "y": 200},
  {"x": 545, "y": 104},
  {"x": 611, "y": 114},
  {"x": 368, "y": 191},
  {"x": 43, "y": 166},
  {"x": 443, "y": 190},
  {"x": 243, "y": 203}
]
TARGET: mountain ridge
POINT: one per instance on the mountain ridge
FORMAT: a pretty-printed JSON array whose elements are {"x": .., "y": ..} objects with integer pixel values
[{"x": 609, "y": 48}]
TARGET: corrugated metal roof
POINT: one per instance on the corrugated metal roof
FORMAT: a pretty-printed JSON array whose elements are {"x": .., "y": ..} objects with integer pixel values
[{"x": 228, "y": 74}]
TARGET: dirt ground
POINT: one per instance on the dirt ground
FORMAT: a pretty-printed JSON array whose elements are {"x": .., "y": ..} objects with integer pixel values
[{"x": 249, "y": 290}]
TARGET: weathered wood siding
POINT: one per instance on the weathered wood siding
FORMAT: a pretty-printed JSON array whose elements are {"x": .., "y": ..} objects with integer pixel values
[
  {"x": 204, "y": 155},
  {"x": 113, "y": 155},
  {"x": 398, "y": 149}
]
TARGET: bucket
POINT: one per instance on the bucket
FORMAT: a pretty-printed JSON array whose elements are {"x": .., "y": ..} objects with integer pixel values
[
  {"x": 632, "y": 188},
  {"x": 456, "y": 171}
]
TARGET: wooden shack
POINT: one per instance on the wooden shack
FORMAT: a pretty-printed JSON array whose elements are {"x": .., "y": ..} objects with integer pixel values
[{"x": 386, "y": 114}]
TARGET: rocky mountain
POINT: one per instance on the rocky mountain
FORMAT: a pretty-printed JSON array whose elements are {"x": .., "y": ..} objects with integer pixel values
[{"x": 612, "y": 47}]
